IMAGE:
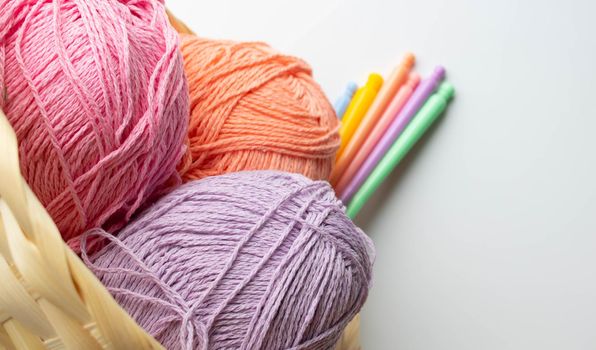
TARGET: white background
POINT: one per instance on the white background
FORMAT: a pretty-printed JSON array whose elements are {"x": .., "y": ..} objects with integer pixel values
[{"x": 486, "y": 235}]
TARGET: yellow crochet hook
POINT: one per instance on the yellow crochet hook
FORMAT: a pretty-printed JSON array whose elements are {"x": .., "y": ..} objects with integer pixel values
[{"x": 362, "y": 100}]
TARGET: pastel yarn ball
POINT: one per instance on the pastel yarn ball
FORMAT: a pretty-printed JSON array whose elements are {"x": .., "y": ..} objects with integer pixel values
[
  {"x": 253, "y": 108},
  {"x": 96, "y": 93},
  {"x": 249, "y": 260}
]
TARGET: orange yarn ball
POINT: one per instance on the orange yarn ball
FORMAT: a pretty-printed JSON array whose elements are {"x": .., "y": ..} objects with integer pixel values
[{"x": 253, "y": 108}]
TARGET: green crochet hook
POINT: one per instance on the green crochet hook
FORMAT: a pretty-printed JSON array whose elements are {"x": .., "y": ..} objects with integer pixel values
[{"x": 430, "y": 112}]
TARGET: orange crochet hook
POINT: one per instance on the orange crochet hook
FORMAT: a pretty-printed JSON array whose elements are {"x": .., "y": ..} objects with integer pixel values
[{"x": 349, "y": 149}]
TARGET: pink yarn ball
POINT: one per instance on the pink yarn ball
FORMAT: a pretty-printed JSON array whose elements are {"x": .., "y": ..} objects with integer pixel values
[{"x": 96, "y": 93}]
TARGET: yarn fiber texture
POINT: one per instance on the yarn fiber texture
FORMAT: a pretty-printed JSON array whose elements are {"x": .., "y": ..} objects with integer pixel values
[
  {"x": 96, "y": 93},
  {"x": 249, "y": 260},
  {"x": 253, "y": 108}
]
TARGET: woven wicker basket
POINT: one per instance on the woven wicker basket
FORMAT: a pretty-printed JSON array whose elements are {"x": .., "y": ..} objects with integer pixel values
[{"x": 48, "y": 297}]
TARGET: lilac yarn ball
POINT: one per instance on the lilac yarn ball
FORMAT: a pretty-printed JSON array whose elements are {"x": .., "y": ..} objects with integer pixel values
[{"x": 250, "y": 260}]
